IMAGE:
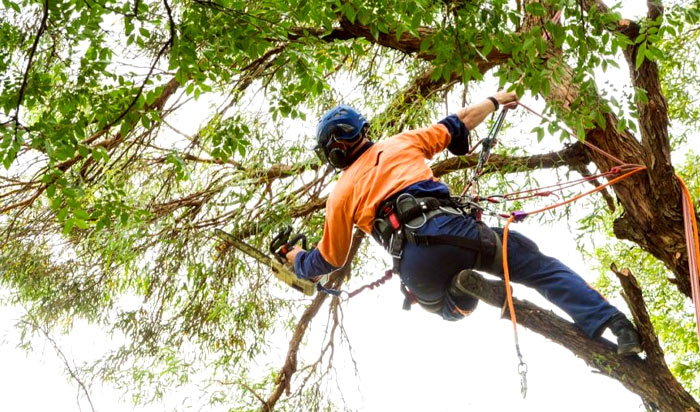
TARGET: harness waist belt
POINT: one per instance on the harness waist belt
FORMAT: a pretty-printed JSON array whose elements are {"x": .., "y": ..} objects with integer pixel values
[{"x": 407, "y": 212}]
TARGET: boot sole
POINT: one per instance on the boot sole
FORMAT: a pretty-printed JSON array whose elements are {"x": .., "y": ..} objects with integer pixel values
[{"x": 631, "y": 349}]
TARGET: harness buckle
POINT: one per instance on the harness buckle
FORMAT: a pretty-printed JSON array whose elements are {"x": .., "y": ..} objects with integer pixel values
[
  {"x": 394, "y": 220},
  {"x": 396, "y": 244}
]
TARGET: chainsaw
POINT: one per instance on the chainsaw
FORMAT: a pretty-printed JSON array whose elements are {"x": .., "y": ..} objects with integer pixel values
[{"x": 280, "y": 245}]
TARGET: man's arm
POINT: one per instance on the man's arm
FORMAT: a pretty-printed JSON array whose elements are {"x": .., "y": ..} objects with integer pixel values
[
  {"x": 308, "y": 264},
  {"x": 332, "y": 251},
  {"x": 474, "y": 114},
  {"x": 432, "y": 140}
]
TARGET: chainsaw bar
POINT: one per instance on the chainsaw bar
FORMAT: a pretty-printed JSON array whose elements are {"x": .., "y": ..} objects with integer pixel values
[{"x": 280, "y": 270}]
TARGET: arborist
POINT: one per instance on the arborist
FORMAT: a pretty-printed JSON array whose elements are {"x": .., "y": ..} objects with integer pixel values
[{"x": 387, "y": 190}]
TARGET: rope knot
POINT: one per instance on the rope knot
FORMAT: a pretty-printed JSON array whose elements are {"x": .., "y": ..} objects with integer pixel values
[{"x": 519, "y": 215}]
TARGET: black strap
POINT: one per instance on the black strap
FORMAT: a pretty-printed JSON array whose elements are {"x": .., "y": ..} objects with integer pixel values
[
  {"x": 408, "y": 297},
  {"x": 473, "y": 244},
  {"x": 495, "y": 103}
]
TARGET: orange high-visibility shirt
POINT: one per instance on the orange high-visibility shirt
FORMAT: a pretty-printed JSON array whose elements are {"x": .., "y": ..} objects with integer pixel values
[{"x": 384, "y": 169}]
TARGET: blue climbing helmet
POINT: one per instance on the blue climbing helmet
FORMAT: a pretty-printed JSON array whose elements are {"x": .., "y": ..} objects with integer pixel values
[{"x": 342, "y": 123}]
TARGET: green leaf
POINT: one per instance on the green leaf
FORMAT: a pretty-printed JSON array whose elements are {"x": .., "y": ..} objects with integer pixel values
[
  {"x": 545, "y": 87},
  {"x": 600, "y": 120},
  {"x": 62, "y": 214},
  {"x": 641, "y": 53},
  {"x": 349, "y": 12},
  {"x": 80, "y": 214},
  {"x": 81, "y": 223},
  {"x": 363, "y": 16},
  {"x": 540, "y": 133},
  {"x": 68, "y": 226},
  {"x": 56, "y": 203},
  {"x": 536, "y": 9}
]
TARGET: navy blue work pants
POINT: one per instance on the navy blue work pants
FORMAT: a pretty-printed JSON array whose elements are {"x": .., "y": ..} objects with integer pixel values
[{"x": 428, "y": 270}]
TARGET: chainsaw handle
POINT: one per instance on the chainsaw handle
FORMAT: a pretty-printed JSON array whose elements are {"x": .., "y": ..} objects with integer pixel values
[
  {"x": 282, "y": 244},
  {"x": 280, "y": 240},
  {"x": 293, "y": 241}
]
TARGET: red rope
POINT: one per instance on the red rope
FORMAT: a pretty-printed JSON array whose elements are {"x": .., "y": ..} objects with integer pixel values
[
  {"x": 387, "y": 275},
  {"x": 543, "y": 190},
  {"x": 589, "y": 145}
]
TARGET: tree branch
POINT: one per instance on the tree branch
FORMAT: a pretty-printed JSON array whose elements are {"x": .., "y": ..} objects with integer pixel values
[
  {"x": 572, "y": 156},
  {"x": 655, "y": 359},
  {"x": 73, "y": 374},
  {"x": 283, "y": 381},
  {"x": 633, "y": 372}
]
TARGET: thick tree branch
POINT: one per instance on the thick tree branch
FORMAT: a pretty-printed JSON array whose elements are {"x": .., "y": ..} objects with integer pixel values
[
  {"x": 633, "y": 372},
  {"x": 573, "y": 156},
  {"x": 663, "y": 379},
  {"x": 635, "y": 301}
]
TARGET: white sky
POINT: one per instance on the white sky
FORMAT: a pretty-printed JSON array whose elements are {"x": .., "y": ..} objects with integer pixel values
[{"x": 408, "y": 361}]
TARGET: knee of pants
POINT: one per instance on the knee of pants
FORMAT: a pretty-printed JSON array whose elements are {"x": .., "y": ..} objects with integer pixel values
[{"x": 460, "y": 299}]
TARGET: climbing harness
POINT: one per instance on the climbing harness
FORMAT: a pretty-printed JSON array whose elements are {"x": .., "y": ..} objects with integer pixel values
[{"x": 398, "y": 219}]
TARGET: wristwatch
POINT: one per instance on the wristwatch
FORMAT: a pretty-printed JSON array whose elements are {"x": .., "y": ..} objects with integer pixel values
[{"x": 494, "y": 101}]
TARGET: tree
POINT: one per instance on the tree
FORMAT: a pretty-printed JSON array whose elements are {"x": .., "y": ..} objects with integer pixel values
[{"x": 102, "y": 198}]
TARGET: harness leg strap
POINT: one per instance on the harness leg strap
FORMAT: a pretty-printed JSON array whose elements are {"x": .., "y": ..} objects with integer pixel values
[
  {"x": 491, "y": 257},
  {"x": 433, "y": 306}
]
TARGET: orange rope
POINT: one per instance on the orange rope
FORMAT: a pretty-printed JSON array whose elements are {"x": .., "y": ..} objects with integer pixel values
[
  {"x": 506, "y": 275},
  {"x": 693, "y": 247}
]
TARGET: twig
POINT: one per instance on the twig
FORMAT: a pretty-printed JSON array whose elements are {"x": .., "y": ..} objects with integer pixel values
[
  {"x": 162, "y": 50},
  {"x": 64, "y": 359},
  {"x": 40, "y": 32},
  {"x": 258, "y": 397}
]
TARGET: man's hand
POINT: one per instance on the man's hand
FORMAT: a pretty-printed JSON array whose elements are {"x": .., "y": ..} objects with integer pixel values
[
  {"x": 291, "y": 257},
  {"x": 292, "y": 254},
  {"x": 474, "y": 114},
  {"x": 507, "y": 99}
]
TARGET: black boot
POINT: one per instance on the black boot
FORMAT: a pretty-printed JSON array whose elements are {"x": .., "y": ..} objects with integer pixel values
[{"x": 627, "y": 336}]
